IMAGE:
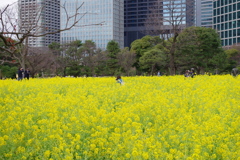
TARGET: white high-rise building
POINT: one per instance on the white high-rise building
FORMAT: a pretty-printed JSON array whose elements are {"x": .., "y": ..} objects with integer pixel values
[
  {"x": 40, "y": 17},
  {"x": 102, "y": 21}
]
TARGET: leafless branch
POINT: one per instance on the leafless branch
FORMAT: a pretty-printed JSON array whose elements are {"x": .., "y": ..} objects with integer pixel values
[
  {"x": 167, "y": 18},
  {"x": 19, "y": 28}
]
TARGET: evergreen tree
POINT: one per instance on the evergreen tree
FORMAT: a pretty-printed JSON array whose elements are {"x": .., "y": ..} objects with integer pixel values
[{"x": 112, "y": 62}]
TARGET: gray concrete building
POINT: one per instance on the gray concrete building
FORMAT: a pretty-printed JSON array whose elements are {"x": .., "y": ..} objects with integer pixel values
[
  {"x": 40, "y": 17},
  {"x": 204, "y": 13}
]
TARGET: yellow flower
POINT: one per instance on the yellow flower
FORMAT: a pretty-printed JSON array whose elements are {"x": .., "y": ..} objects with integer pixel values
[
  {"x": 97, "y": 119},
  {"x": 135, "y": 153},
  {"x": 145, "y": 155},
  {"x": 47, "y": 153},
  {"x": 127, "y": 155}
]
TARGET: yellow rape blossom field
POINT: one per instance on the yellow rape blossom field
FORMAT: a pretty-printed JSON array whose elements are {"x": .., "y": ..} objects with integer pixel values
[{"x": 168, "y": 118}]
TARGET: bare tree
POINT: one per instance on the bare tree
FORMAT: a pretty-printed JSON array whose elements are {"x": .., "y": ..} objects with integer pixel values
[
  {"x": 167, "y": 19},
  {"x": 67, "y": 55},
  {"x": 19, "y": 23},
  {"x": 40, "y": 59},
  {"x": 100, "y": 60},
  {"x": 126, "y": 59}
]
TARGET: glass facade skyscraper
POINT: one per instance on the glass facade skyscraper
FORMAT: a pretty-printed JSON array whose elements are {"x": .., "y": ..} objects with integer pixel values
[
  {"x": 226, "y": 20},
  {"x": 110, "y": 13},
  {"x": 138, "y": 11},
  {"x": 135, "y": 15}
]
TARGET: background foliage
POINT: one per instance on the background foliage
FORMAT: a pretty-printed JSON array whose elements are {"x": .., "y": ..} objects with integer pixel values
[{"x": 195, "y": 47}]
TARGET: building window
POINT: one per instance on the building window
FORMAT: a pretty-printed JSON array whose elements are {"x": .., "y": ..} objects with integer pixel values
[
  {"x": 222, "y": 3},
  {"x": 226, "y": 17},
  {"x": 234, "y": 40},
  {"x": 230, "y": 8},
  {"x": 234, "y": 7},
  {"x": 222, "y": 10},
  {"x": 230, "y": 16},
  {"x": 234, "y": 33},
  {"x": 226, "y": 25},
  {"x": 226, "y": 42},
  {"x": 230, "y": 33},
  {"x": 222, "y": 18},
  {"x": 222, "y": 34},
  {"x": 215, "y": 4},
  {"x": 222, "y": 26},
  {"x": 218, "y": 3},
  {"x": 234, "y": 15},
  {"x": 230, "y": 41},
  {"x": 230, "y": 25},
  {"x": 238, "y": 32},
  {"x": 226, "y": 34}
]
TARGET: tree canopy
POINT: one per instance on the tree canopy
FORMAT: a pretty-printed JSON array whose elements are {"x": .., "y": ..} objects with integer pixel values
[{"x": 200, "y": 47}]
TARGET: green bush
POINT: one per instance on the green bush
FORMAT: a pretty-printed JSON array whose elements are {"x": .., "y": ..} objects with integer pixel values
[{"x": 8, "y": 72}]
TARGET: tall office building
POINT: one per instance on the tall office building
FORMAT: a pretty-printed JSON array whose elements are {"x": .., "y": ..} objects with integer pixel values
[
  {"x": 108, "y": 12},
  {"x": 138, "y": 11},
  {"x": 226, "y": 20},
  {"x": 135, "y": 15},
  {"x": 204, "y": 13},
  {"x": 40, "y": 17}
]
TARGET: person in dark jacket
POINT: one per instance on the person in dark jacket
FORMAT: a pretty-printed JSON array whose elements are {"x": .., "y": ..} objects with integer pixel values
[
  {"x": 20, "y": 74},
  {"x": 234, "y": 72},
  {"x": 27, "y": 74}
]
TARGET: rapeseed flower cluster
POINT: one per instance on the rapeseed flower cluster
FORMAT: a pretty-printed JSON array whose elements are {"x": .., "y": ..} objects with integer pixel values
[{"x": 96, "y": 118}]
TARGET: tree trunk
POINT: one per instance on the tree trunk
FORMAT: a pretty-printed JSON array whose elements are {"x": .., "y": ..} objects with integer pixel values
[
  {"x": 202, "y": 70},
  {"x": 64, "y": 71},
  {"x": 171, "y": 64},
  {"x": 153, "y": 66},
  {"x": 0, "y": 74}
]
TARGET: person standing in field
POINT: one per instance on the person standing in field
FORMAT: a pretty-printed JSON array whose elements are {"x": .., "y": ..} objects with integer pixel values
[
  {"x": 234, "y": 72},
  {"x": 119, "y": 80},
  {"x": 27, "y": 74},
  {"x": 192, "y": 72},
  {"x": 20, "y": 74},
  {"x": 186, "y": 74}
]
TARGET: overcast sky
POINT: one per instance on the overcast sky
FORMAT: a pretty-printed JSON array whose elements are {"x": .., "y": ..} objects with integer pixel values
[{"x": 4, "y": 3}]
